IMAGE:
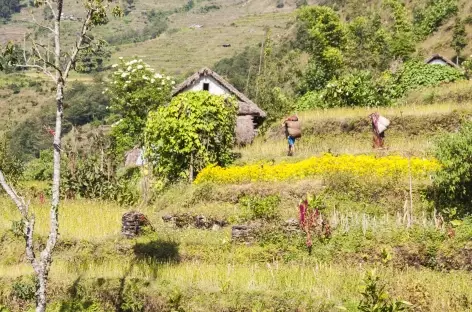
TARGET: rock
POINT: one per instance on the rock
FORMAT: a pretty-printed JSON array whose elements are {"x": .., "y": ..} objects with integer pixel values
[
  {"x": 292, "y": 225},
  {"x": 198, "y": 221},
  {"x": 132, "y": 223},
  {"x": 242, "y": 233}
]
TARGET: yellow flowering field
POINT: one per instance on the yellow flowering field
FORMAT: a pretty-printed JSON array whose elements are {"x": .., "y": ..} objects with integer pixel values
[{"x": 361, "y": 165}]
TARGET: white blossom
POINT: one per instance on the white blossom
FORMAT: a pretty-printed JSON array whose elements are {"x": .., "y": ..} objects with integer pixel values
[
  {"x": 173, "y": 82},
  {"x": 123, "y": 75},
  {"x": 140, "y": 66},
  {"x": 159, "y": 76},
  {"x": 129, "y": 68},
  {"x": 114, "y": 65},
  {"x": 153, "y": 80},
  {"x": 145, "y": 77},
  {"x": 163, "y": 82},
  {"x": 120, "y": 57}
]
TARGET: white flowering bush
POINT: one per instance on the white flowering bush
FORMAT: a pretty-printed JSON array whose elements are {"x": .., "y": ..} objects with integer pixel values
[{"x": 135, "y": 89}]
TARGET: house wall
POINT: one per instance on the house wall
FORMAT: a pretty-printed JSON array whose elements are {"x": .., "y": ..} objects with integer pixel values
[
  {"x": 437, "y": 62},
  {"x": 215, "y": 87}
]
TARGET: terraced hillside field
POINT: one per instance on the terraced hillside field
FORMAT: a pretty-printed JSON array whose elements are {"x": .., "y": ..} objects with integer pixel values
[{"x": 181, "y": 264}]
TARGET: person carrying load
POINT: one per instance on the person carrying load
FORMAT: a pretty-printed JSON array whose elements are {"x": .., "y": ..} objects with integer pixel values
[
  {"x": 293, "y": 131},
  {"x": 379, "y": 125}
]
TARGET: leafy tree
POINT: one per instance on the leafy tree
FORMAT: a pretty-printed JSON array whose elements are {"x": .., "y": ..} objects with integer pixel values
[
  {"x": 459, "y": 38},
  {"x": 275, "y": 74},
  {"x": 321, "y": 34},
  {"x": 241, "y": 69},
  {"x": 376, "y": 299},
  {"x": 318, "y": 28},
  {"x": 40, "y": 169},
  {"x": 196, "y": 129},
  {"x": 356, "y": 89},
  {"x": 57, "y": 69},
  {"x": 8, "y": 7},
  {"x": 431, "y": 17},
  {"x": 87, "y": 103},
  {"x": 368, "y": 45},
  {"x": 134, "y": 91},
  {"x": 93, "y": 58},
  {"x": 403, "y": 39},
  {"x": 453, "y": 183}
]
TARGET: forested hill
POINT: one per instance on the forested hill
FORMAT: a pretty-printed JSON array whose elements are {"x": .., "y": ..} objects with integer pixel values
[{"x": 179, "y": 36}]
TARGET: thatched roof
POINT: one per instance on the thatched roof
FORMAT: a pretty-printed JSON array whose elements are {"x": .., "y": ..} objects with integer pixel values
[
  {"x": 246, "y": 106},
  {"x": 441, "y": 58}
]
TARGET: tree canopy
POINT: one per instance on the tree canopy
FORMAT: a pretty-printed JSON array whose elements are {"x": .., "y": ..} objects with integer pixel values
[{"x": 196, "y": 129}]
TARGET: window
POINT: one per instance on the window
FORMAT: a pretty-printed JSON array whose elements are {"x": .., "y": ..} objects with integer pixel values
[{"x": 206, "y": 86}]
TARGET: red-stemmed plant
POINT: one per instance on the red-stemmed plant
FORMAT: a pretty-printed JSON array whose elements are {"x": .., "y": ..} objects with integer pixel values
[{"x": 311, "y": 220}]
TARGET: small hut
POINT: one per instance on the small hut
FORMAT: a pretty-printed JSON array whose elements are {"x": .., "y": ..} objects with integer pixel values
[
  {"x": 438, "y": 59},
  {"x": 250, "y": 116}
]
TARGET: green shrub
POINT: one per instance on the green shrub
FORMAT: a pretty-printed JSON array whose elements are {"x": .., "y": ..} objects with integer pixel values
[
  {"x": 356, "y": 89},
  {"x": 40, "y": 169},
  {"x": 376, "y": 299},
  {"x": 24, "y": 288},
  {"x": 311, "y": 100},
  {"x": 453, "y": 183},
  {"x": 257, "y": 207},
  {"x": 416, "y": 74},
  {"x": 10, "y": 164},
  {"x": 428, "y": 20}
]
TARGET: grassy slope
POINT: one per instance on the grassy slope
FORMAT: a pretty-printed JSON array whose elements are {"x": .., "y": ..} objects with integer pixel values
[{"x": 202, "y": 270}]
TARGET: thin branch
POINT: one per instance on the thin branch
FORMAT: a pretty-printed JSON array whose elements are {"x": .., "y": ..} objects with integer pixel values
[
  {"x": 52, "y": 9},
  {"x": 42, "y": 58},
  {"x": 43, "y": 69},
  {"x": 79, "y": 42},
  {"x": 38, "y": 24},
  {"x": 19, "y": 201}
]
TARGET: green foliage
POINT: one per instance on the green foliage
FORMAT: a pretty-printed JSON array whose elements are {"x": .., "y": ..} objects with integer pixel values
[
  {"x": 403, "y": 39},
  {"x": 318, "y": 28},
  {"x": 7, "y": 8},
  {"x": 321, "y": 34},
  {"x": 311, "y": 100},
  {"x": 277, "y": 70},
  {"x": 87, "y": 104},
  {"x": 40, "y": 169},
  {"x": 134, "y": 91},
  {"x": 414, "y": 74},
  {"x": 356, "y": 89},
  {"x": 376, "y": 299},
  {"x": 368, "y": 45},
  {"x": 196, "y": 129},
  {"x": 90, "y": 177},
  {"x": 24, "y": 288},
  {"x": 257, "y": 207},
  {"x": 10, "y": 164},
  {"x": 435, "y": 14},
  {"x": 241, "y": 69},
  {"x": 133, "y": 299},
  {"x": 467, "y": 66},
  {"x": 459, "y": 37},
  {"x": 453, "y": 183},
  {"x": 93, "y": 58}
]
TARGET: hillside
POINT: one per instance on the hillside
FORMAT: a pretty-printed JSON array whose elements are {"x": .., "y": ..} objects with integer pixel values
[
  {"x": 339, "y": 226},
  {"x": 182, "y": 49},
  {"x": 185, "y": 265}
]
